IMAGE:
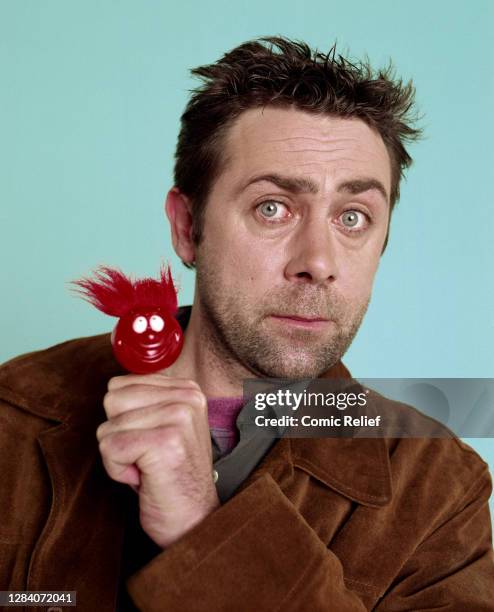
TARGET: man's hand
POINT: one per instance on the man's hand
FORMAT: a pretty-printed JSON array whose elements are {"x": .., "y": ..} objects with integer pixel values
[{"x": 157, "y": 441}]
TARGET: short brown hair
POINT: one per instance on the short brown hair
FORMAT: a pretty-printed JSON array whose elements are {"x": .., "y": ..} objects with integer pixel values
[{"x": 277, "y": 71}]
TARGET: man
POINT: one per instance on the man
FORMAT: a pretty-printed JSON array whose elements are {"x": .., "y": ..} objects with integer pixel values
[{"x": 288, "y": 168}]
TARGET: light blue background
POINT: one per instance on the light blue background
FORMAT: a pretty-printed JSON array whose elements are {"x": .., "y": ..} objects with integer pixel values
[{"x": 91, "y": 94}]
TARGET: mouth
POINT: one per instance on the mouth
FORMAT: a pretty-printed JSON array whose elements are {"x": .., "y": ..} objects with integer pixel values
[
  {"x": 301, "y": 321},
  {"x": 150, "y": 352},
  {"x": 150, "y": 355},
  {"x": 162, "y": 345}
]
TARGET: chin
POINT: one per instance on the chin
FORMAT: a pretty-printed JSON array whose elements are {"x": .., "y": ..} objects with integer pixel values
[{"x": 292, "y": 369}]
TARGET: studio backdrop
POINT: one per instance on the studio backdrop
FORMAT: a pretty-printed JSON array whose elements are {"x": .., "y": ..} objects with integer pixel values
[{"x": 91, "y": 95}]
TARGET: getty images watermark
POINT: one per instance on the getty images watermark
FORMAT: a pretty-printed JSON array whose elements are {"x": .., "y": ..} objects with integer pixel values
[
  {"x": 290, "y": 399},
  {"x": 370, "y": 407}
]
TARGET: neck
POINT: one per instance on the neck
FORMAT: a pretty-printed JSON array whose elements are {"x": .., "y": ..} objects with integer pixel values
[{"x": 205, "y": 360}]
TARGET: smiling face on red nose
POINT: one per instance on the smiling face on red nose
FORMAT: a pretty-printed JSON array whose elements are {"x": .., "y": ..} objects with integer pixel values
[{"x": 147, "y": 340}]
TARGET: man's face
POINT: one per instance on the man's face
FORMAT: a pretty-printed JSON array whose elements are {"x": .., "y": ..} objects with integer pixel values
[{"x": 293, "y": 231}]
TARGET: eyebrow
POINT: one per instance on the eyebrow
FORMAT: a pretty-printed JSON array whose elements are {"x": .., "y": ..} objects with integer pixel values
[{"x": 299, "y": 185}]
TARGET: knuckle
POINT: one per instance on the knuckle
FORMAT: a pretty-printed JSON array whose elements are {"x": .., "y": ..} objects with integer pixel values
[
  {"x": 181, "y": 413},
  {"x": 195, "y": 385},
  {"x": 191, "y": 384},
  {"x": 168, "y": 436},
  {"x": 203, "y": 403},
  {"x": 104, "y": 445},
  {"x": 119, "y": 400},
  {"x": 109, "y": 402},
  {"x": 100, "y": 431},
  {"x": 115, "y": 382},
  {"x": 113, "y": 444},
  {"x": 200, "y": 402},
  {"x": 171, "y": 442},
  {"x": 126, "y": 419},
  {"x": 195, "y": 397}
]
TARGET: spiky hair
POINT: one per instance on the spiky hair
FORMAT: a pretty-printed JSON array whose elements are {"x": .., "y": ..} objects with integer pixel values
[
  {"x": 116, "y": 294},
  {"x": 283, "y": 73}
]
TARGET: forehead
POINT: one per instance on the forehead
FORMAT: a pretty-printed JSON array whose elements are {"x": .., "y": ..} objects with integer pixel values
[{"x": 324, "y": 147}]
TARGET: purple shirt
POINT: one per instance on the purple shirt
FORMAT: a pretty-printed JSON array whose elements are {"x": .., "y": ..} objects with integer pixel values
[{"x": 222, "y": 417}]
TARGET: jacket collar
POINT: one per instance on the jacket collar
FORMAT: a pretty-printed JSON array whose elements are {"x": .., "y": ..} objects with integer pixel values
[
  {"x": 36, "y": 382},
  {"x": 357, "y": 468}
]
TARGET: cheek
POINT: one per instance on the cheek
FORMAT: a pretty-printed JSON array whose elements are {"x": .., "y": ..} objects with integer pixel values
[
  {"x": 232, "y": 258},
  {"x": 357, "y": 274},
  {"x": 258, "y": 269}
]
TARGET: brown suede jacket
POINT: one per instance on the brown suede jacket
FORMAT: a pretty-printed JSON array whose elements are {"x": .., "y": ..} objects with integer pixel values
[{"x": 321, "y": 525}]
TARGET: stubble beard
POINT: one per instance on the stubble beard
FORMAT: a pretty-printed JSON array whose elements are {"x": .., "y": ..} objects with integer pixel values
[{"x": 242, "y": 337}]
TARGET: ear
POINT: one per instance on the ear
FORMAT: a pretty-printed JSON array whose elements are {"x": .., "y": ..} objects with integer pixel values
[{"x": 178, "y": 207}]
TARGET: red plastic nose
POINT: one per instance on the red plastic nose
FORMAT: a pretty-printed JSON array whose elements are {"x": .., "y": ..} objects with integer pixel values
[{"x": 133, "y": 352}]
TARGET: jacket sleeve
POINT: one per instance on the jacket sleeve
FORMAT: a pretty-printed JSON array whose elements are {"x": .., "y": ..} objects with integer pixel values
[
  {"x": 453, "y": 569},
  {"x": 254, "y": 553}
]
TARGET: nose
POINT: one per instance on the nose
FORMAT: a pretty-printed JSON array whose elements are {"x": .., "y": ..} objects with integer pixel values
[{"x": 312, "y": 253}]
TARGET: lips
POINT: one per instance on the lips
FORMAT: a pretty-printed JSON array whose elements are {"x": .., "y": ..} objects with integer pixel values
[
  {"x": 304, "y": 318},
  {"x": 294, "y": 322}
]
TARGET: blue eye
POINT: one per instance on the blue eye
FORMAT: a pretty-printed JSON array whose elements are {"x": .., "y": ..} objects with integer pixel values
[
  {"x": 269, "y": 208},
  {"x": 350, "y": 218},
  {"x": 354, "y": 220},
  {"x": 273, "y": 211}
]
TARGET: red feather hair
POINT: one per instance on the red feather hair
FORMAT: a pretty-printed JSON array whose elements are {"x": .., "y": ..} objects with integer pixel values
[{"x": 116, "y": 294}]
